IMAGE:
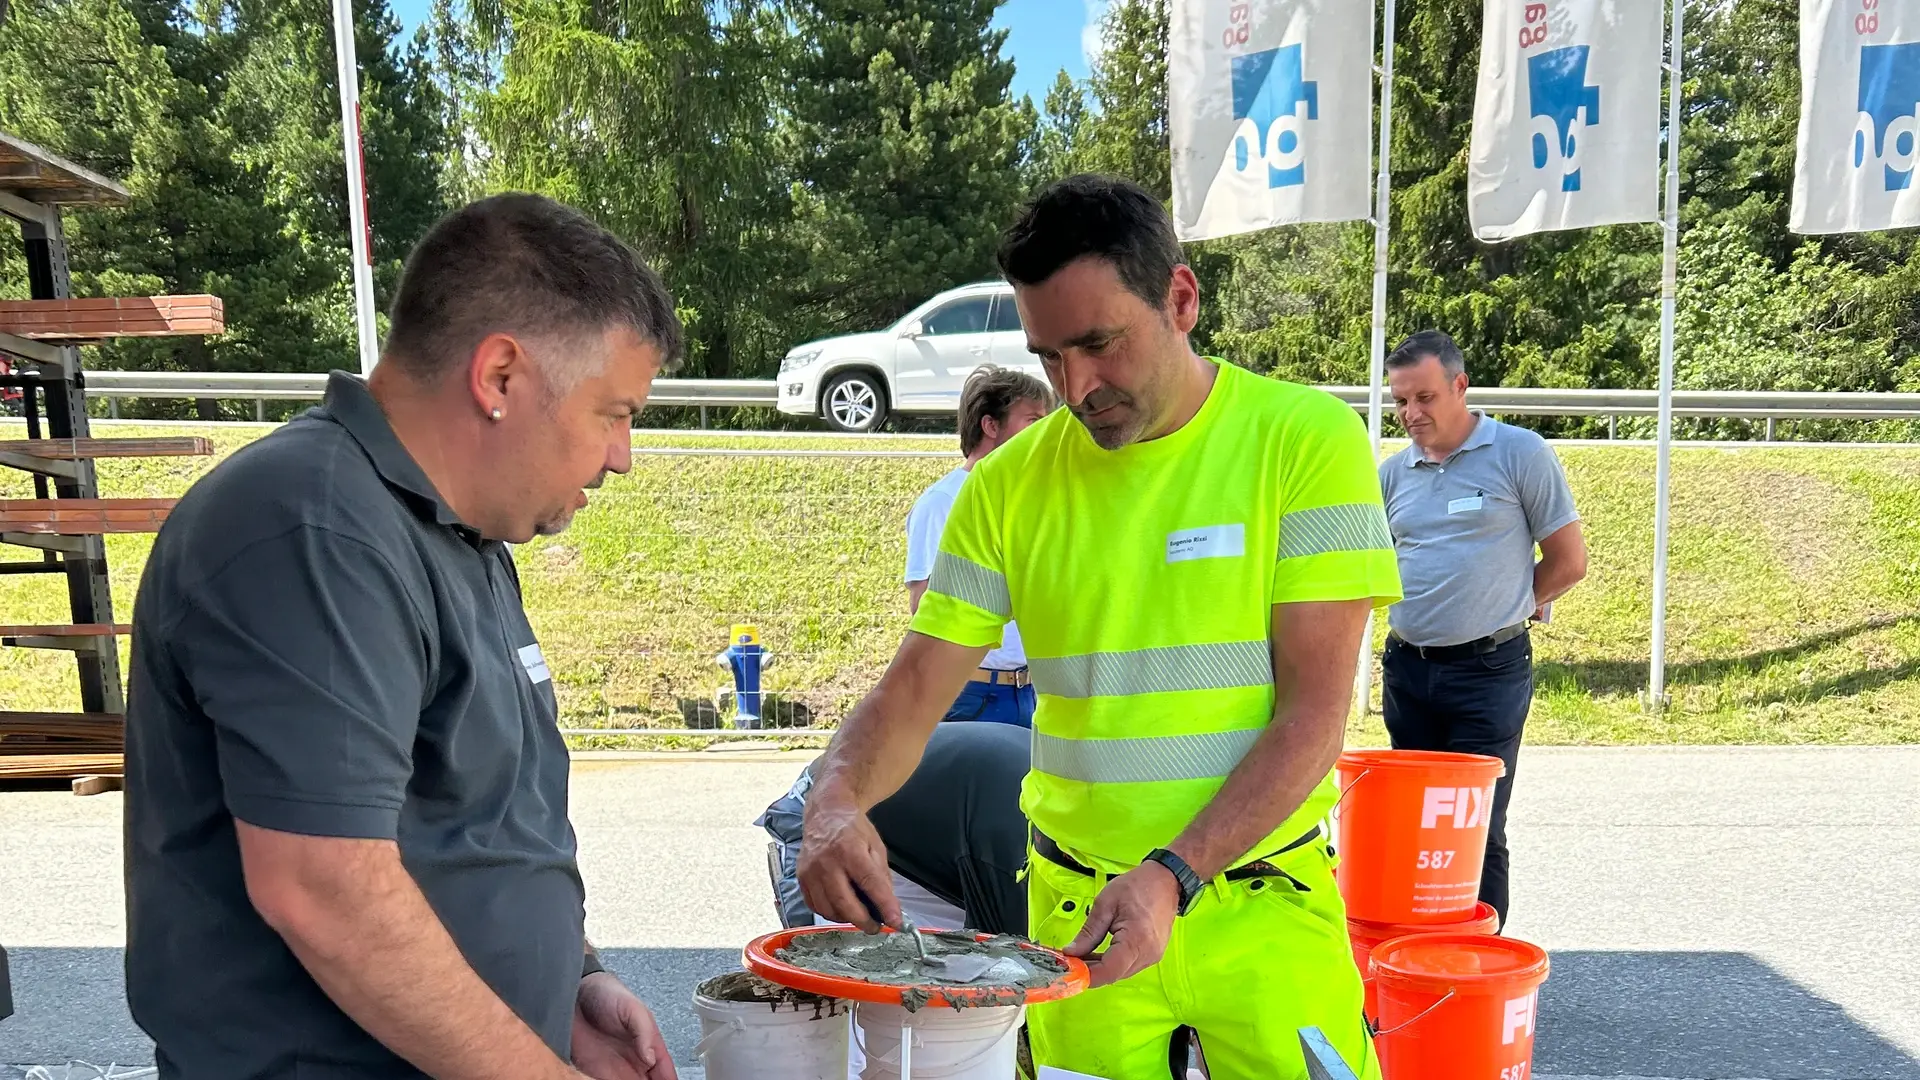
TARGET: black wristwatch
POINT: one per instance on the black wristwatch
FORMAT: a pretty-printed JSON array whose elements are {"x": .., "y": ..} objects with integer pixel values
[
  {"x": 591, "y": 963},
  {"x": 1190, "y": 883}
]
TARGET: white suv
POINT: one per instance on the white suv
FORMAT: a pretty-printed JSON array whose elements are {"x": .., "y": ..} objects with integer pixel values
[{"x": 917, "y": 365}]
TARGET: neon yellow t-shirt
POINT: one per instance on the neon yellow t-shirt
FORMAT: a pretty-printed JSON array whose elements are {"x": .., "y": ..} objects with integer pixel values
[{"x": 1143, "y": 581}]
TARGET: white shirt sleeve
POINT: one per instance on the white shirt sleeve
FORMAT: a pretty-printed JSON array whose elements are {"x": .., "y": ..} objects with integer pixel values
[{"x": 925, "y": 523}]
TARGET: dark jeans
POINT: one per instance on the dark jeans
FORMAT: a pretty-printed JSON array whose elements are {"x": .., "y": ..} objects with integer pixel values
[
  {"x": 1468, "y": 705},
  {"x": 999, "y": 703}
]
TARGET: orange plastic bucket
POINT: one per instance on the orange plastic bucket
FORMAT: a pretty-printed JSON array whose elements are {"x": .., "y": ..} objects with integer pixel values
[
  {"x": 1457, "y": 1005},
  {"x": 1364, "y": 936},
  {"x": 1411, "y": 830}
]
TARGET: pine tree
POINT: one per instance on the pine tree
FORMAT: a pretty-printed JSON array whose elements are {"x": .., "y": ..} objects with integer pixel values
[
  {"x": 1128, "y": 134},
  {"x": 655, "y": 119},
  {"x": 905, "y": 151},
  {"x": 222, "y": 122}
]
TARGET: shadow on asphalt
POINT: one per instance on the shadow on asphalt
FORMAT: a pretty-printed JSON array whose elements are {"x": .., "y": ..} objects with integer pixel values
[
  {"x": 1648, "y": 1014},
  {"x": 1626, "y": 676},
  {"x": 1694, "y": 1014},
  {"x": 70, "y": 1004}
]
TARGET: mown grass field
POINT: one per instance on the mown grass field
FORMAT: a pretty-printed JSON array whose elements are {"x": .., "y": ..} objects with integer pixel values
[{"x": 1794, "y": 598}]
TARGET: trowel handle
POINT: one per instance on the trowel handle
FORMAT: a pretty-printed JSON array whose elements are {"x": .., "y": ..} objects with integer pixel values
[{"x": 873, "y": 909}]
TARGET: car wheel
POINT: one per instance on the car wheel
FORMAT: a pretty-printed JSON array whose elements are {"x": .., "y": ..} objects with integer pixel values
[{"x": 855, "y": 402}]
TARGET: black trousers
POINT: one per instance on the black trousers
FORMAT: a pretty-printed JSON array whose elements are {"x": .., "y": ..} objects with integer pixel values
[{"x": 1468, "y": 705}]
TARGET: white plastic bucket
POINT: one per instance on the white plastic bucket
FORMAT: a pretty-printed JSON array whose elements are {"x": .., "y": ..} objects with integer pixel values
[
  {"x": 939, "y": 1043},
  {"x": 759, "y": 1040}
]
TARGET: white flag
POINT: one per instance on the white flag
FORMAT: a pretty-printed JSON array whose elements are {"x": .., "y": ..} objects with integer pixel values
[
  {"x": 1859, "y": 116},
  {"x": 1270, "y": 107},
  {"x": 1566, "y": 124}
]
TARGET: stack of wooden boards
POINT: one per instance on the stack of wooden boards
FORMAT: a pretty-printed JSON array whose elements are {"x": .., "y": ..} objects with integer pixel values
[
  {"x": 102, "y": 317},
  {"x": 85, "y": 747}
]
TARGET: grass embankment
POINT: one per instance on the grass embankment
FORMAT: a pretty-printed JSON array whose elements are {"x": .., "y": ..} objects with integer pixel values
[{"x": 1794, "y": 597}]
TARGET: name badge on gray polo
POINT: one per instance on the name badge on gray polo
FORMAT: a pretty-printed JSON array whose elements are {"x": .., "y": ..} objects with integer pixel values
[
  {"x": 1466, "y": 505},
  {"x": 1207, "y": 542},
  {"x": 535, "y": 663}
]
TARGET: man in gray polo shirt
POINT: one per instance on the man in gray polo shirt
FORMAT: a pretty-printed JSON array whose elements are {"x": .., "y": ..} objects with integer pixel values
[
  {"x": 1466, "y": 504},
  {"x": 347, "y": 845}
]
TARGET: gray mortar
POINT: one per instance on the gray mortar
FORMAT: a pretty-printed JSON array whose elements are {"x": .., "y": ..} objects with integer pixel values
[
  {"x": 745, "y": 987},
  {"x": 892, "y": 960}
]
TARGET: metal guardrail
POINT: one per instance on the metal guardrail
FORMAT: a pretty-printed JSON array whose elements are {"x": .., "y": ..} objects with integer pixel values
[
  {"x": 282, "y": 386},
  {"x": 1511, "y": 401}
]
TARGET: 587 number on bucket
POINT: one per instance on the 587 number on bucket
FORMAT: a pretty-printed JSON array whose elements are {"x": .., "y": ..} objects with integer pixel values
[
  {"x": 1440, "y": 860},
  {"x": 1517, "y": 1072}
]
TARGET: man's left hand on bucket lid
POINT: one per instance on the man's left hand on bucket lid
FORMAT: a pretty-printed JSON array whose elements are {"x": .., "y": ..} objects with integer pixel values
[{"x": 1136, "y": 910}]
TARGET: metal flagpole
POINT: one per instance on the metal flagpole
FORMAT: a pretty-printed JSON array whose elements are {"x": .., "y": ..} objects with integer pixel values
[
  {"x": 356, "y": 184},
  {"x": 1376, "y": 367},
  {"x": 1669, "y": 278}
]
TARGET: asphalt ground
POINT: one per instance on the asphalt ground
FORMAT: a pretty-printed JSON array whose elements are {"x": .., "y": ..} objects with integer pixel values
[{"x": 1712, "y": 913}]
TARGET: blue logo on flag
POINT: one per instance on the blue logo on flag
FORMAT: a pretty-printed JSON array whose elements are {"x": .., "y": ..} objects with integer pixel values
[
  {"x": 1269, "y": 89},
  {"x": 1558, "y": 95},
  {"x": 1889, "y": 121}
]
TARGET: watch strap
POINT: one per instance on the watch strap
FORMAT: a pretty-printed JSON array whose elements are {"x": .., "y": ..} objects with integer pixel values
[
  {"x": 590, "y": 963},
  {"x": 1190, "y": 883}
]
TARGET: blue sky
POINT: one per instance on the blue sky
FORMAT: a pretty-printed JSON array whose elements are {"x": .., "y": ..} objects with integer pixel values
[{"x": 1043, "y": 37}]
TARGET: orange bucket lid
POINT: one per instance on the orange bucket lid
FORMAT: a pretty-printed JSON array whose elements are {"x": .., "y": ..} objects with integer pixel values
[
  {"x": 1421, "y": 759},
  {"x": 1483, "y": 915},
  {"x": 1464, "y": 963},
  {"x": 761, "y": 957}
]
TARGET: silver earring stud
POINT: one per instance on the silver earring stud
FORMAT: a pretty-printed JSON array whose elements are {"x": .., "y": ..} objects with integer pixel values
[{"x": 498, "y": 413}]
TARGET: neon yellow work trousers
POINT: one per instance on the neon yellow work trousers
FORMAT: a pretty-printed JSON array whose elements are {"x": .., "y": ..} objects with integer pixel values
[{"x": 1250, "y": 965}]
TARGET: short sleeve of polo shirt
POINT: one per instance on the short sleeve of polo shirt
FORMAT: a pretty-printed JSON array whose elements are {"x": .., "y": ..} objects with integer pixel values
[
  {"x": 311, "y": 664},
  {"x": 1334, "y": 542},
  {"x": 1544, "y": 494},
  {"x": 967, "y": 602}
]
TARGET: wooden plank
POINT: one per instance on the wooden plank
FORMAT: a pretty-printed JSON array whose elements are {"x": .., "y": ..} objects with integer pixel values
[
  {"x": 22, "y": 745},
  {"x": 94, "y": 449},
  {"x": 82, "y": 517},
  {"x": 98, "y": 785},
  {"x": 59, "y": 766},
  {"x": 107, "y": 729},
  {"x": 94, "y": 318}
]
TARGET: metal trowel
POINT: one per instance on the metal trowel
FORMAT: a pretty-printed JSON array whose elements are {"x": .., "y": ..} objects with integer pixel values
[{"x": 956, "y": 969}]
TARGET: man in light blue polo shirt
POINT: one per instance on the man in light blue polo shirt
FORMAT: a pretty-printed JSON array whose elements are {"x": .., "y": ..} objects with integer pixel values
[
  {"x": 1466, "y": 504},
  {"x": 995, "y": 405}
]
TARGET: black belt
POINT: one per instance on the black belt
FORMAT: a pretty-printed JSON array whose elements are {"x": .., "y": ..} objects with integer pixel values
[
  {"x": 1476, "y": 647},
  {"x": 1044, "y": 846}
]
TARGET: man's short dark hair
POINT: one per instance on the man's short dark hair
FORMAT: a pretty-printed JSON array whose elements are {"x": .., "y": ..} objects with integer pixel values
[
  {"x": 1427, "y": 343},
  {"x": 994, "y": 391},
  {"x": 529, "y": 266},
  {"x": 1102, "y": 216}
]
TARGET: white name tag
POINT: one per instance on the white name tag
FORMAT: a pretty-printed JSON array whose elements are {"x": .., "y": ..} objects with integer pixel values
[
  {"x": 1462, "y": 506},
  {"x": 535, "y": 663},
  {"x": 1210, "y": 542}
]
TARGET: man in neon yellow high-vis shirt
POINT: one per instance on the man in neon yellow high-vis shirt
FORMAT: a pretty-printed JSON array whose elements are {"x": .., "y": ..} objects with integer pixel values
[{"x": 1192, "y": 552}]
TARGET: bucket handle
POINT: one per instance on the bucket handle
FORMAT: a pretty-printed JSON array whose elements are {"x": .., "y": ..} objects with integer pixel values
[
  {"x": 1364, "y": 773},
  {"x": 1416, "y": 1019},
  {"x": 718, "y": 1035}
]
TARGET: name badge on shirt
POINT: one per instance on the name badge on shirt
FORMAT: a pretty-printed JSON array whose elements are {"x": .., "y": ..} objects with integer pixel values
[
  {"x": 1207, "y": 542},
  {"x": 1466, "y": 505},
  {"x": 535, "y": 663}
]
